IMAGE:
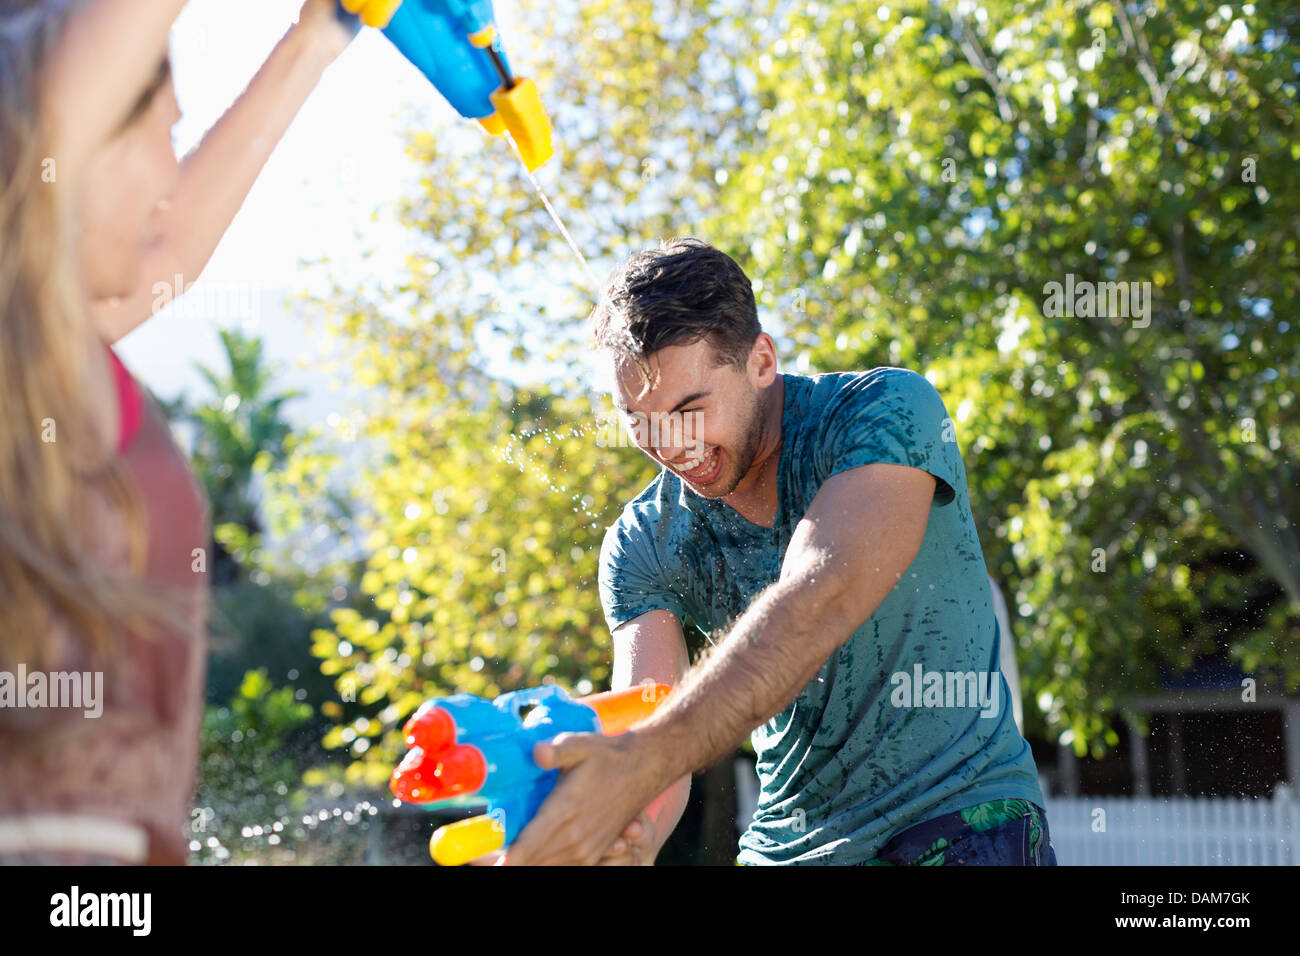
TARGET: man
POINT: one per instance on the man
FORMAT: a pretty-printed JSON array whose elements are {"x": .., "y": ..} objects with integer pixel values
[{"x": 822, "y": 525}]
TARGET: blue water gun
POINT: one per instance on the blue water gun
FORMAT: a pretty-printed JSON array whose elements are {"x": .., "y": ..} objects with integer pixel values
[
  {"x": 465, "y": 745},
  {"x": 455, "y": 44}
]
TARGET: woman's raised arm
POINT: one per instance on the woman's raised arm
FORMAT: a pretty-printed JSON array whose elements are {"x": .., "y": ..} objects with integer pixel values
[{"x": 216, "y": 178}]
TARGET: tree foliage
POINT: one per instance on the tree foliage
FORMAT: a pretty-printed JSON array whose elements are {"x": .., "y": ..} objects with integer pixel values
[{"x": 237, "y": 424}]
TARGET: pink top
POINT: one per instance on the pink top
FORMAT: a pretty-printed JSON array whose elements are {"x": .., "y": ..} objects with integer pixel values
[
  {"x": 138, "y": 761},
  {"x": 130, "y": 402}
]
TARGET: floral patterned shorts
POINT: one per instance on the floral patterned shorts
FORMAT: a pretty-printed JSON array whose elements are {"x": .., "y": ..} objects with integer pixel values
[{"x": 997, "y": 833}]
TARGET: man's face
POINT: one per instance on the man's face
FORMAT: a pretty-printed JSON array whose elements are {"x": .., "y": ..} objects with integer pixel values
[{"x": 699, "y": 418}]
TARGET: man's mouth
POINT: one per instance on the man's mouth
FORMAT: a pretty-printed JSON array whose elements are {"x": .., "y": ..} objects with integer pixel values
[{"x": 704, "y": 470}]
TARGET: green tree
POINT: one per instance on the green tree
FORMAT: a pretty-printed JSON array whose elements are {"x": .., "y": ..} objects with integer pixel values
[
  {"x": 264, "y": 605},
  {"x": 238, "y": 423}
]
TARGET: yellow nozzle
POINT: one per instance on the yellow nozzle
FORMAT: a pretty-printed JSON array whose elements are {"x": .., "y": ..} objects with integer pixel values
[
  {"x": 373, "y": 13},
  {"x": 484, "y": 37},
  {"x": 494, "y": 124},
  {"x": 458, "y": 843},
  {"x": 520, "y": 111}
]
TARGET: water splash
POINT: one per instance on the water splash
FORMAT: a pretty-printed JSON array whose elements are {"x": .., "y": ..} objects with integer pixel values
[
  {"x": 288, "y": 832},
  {"x": 514, "y": 453}
]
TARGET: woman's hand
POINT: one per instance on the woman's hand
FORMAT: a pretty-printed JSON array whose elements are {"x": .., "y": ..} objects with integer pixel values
[
  {"x": 329, "y": 23},
  {"x": 636, "y": 847}
]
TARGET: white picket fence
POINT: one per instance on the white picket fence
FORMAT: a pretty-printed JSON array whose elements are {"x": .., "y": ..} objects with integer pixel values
[{"x": 1175, "y": 831}]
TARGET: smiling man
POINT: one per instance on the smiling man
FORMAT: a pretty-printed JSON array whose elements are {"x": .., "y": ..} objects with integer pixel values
[{"x": 817, "y": 534}]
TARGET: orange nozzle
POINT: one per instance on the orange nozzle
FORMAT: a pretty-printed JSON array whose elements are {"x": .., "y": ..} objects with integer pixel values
[
  {"x": 618, "y": 710},
  {"x": 425, "y": 776}
]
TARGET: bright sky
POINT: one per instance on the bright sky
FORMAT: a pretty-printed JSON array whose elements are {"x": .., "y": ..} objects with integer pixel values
[{"x": 341, "y": 161}]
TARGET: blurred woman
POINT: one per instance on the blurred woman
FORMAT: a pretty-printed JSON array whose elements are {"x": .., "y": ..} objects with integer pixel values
[{"x": 102, "y": 527}]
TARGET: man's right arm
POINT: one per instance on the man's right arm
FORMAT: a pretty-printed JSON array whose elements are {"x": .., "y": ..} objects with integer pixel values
[{"x": 652, "y": 648}]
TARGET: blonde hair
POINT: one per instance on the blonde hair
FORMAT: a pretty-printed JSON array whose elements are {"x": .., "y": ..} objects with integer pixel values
[{"x": 50, "y": 567}]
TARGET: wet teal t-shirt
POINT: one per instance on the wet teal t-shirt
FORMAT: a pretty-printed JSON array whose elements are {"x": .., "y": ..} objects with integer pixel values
[{"x": 910, "y": 717}]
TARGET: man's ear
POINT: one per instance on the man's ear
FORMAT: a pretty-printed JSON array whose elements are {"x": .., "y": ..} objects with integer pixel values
[{"x": 762, "y": 361}]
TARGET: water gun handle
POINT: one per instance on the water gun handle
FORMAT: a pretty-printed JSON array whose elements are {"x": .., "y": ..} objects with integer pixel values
[
  {"x": 454, "y": 43},
  {"x": 466, "y": 840}
]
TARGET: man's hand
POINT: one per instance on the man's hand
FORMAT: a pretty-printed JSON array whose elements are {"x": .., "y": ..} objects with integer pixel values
[
  {"x": 636, "y": 847},
  {"x": 605, "y": 782}
]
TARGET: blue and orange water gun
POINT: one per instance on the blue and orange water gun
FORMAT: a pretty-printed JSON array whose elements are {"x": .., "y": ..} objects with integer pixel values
[
  {"x": 464, "y": 746},
  {"x": 455, "y": 44}
]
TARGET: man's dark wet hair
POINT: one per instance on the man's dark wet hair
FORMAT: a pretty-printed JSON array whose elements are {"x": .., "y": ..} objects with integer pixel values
[{"x": 677, "y": 294}]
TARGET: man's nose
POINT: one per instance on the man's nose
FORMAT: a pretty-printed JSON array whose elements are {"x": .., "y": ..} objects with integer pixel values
[{"x": 672, "y": 454}]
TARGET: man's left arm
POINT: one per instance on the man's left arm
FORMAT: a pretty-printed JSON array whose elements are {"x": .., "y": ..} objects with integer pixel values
[{"x": 860, "y": 534}]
